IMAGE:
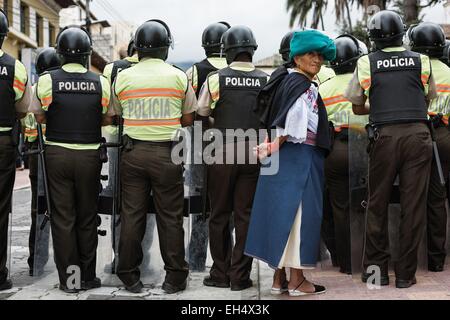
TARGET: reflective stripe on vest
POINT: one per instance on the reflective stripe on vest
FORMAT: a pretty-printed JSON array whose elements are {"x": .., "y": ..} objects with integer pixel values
[{"x": 152, "y": 98}]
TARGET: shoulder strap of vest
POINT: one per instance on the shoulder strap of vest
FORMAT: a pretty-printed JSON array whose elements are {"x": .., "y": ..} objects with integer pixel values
[
  {"x": 259, "y": 73},
  {"x": 204, "y": 63},
  {"x": 7, "y": 59},
  {"x": 61, "y": 74},
  {"x": 226, "y": 71}
]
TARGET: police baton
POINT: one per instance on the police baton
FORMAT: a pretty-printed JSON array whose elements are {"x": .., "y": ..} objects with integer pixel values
[
  {"x": 41, "y": 152},
  {"x": 437, "y": 158}
]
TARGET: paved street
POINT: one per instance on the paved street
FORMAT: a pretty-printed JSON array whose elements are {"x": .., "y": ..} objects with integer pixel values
[{"x": 339, "y": 286}]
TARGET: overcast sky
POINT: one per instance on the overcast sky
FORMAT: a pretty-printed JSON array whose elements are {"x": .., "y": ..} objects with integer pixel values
[{"x": 187, "y": 18}]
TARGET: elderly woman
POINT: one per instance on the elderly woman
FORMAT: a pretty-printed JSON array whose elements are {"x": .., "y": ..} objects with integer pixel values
[{"x": 287, "y": 211}]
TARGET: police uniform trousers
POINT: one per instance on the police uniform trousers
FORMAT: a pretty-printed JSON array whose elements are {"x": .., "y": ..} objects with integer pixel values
[
  {"x": 7, "y": 176},
  {"x": 231, "y": 189},
  {"x": 147, "y": 168},
  {"x": 337, "y": 185},
  {"x": 437, "y": 196},
  {"x": 33, "y": 175},
  {"x": 404, "y": 150},
  {"x": 74, "y": 178}
]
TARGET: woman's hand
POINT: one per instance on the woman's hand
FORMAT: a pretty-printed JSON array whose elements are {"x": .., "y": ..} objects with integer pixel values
[{"x": 262, "y": 151}]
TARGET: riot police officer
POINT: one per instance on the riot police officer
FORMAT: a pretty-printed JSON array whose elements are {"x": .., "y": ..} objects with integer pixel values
[
  {"x": 73, "y": 102},
  {"x": 211, "y": 36},
  {"x": 111, "y": 70},
  {"x": 197, "y": 74},
  {"x": 155, "y": 100},
  {"x": 14, "y": 100},
  {"x": 229, "y": 96},
  {"x": 348, "y": 50},
  {"x": 47, "y": 59},
  {"x": 398, "y": 84},
  {"x": 429, "y": 38}
]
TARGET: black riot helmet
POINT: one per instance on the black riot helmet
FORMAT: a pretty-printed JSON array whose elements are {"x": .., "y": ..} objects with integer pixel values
[
  {"x": 348, "y": 51},
  {"x": 74, "y": 45},
  {"x": 386, "y": 29},
  {"x": 237, "y": 40},
  {"x": 153, "y": 39},
  {"x": 285, "y": 46},
  {"x": 131, "y": 50},
  {"x": 427, "y": 38},
  {"x": 211, "y": 37},
  {"x": 4, "y": 26},
  {"x": 47, "y": 59}
]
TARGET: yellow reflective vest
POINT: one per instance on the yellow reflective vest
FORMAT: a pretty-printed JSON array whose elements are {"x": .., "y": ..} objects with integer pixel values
[
  {"x": 151, "y": 95},
  {"x": 338, "y": 107},
  {"x": 441, "y": 74}
]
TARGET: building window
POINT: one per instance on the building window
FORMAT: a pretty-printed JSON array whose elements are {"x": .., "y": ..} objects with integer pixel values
[
  {"x": 8, "y": 9},
  {"x": 39, "y": 27},
  {"x": 51, "y": 35},
  {"x": 24, "y": 18}
]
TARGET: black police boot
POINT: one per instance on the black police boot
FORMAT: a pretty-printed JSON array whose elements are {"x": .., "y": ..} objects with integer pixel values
[
  {"x": 135, "y": 288},
  {"x": 436, "y": 268},
  {"x": 242, "y": 285},
  {"x": 403, "y": 284},
  {"x": 64, "y": 288},
  {"x": 6, "y": 285},
  {"x": 384, "y": 279},
  {"x": 91, "y": 284},
  {"x": 210, "y": 282},
  {"x": 172, "y": 288}
]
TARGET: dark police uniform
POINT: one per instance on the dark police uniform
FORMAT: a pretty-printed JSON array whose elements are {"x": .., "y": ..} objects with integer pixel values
[
  {"x": 74, "y": 101},
  {"x": 229, "y": 96},
  {"x": 399, "y": 83},
  {"x": 14, "y": 97}
]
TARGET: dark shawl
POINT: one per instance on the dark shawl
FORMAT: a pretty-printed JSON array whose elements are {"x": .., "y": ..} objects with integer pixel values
[{"x": 290, "y": 89}]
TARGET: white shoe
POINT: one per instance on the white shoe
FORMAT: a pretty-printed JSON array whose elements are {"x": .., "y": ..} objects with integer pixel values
[{"x": 278, "y": 291}]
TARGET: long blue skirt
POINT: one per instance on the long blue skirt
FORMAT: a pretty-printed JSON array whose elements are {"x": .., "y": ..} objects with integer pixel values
[{"x": 299, "y": 181}]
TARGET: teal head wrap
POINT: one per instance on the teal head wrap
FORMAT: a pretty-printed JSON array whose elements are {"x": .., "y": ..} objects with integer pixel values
[{"x": 312, "y": 41}]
